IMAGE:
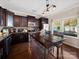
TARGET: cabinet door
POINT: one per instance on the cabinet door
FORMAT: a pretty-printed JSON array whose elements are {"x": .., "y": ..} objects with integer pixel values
[
  {"x": 32, "y": 23},
  {"x": 19, "y": 37},
  {"x": 2, "y": 17},
  {"x": 24, "y": 22},
  {"x": 17, "y": 21},
  {"x": 42, "y": 21},
  {"x": 23, "y": 37},
  {"x": 7, "y": 43},
  {"x": 15, "y": 38}
]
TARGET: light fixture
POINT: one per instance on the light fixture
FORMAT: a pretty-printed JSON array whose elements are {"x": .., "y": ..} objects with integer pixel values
[{"x": 48, "y": 7}]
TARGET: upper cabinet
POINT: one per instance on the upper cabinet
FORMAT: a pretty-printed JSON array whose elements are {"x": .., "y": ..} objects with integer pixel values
[
  {"x": 24, "y": 21},
  {"x": 2, "y": 16},
  {"x": 42, "y": 21},
  {"x": 17, "y": 21},
  {"x": 6, "y": 17},
  {"x": 9, "y": 19},
  {"x": 31, "y": 18},
  {"x": 20, "y": 21},
  {"x": 32, "y": 23}
]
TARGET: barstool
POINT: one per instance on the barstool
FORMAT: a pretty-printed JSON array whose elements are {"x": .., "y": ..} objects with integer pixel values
[
  {"x": 58, "y": 53},
  {"x": 60, "y": 48},
  {"x": 58, "y": 45}
]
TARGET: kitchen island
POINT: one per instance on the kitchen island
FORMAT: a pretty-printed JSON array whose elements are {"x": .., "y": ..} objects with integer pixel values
[
  {"x": 10, "y": 39},
  {"x": 49, "y": 41}
]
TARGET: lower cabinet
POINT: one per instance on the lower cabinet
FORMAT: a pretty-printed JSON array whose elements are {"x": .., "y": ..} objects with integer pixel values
[
  {"x": 19, "y": 37},
  {"x": 6, "y": 43},
  {"x": 1, "y": 49}
]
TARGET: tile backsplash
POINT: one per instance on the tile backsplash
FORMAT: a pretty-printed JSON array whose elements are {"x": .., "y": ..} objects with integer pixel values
[{"x": 16, "y": 28}]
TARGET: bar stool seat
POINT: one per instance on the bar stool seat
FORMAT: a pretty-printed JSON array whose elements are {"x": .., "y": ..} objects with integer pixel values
[{"x": 49, "y": 46}]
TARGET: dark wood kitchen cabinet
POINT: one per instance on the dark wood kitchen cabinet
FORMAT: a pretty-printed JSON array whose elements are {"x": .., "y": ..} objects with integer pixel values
[
  {"x": 31, "y": 18},
  {"x": 5, "y": 17},
  {"x": 24, "y": 21},
  {"x": 32, "y": 23},
  {"x": 5, "y": 46},
  {"x": 42, "y": 21},
  {"x": 7, "y": 43},
  {"x": 17, "y": 21},
  {"x": 13, "y": 38},
  {"x": 19, "y": 37},
  {"x": 1, "y": 49},
  {"x": 2, "y": 16},
  {"x": 20, "y": 21}
]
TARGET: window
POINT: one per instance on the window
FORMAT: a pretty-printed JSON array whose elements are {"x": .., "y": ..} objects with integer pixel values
[
  {"x": 70, "y": 26},
  {"x": 56, "y": 25}
]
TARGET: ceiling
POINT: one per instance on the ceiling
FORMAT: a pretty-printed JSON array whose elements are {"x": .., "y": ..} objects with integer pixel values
[{"x": 36, "y": 7}]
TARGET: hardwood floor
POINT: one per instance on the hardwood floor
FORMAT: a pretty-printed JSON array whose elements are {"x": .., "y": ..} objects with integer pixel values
[{"x": 33, "y": 51}]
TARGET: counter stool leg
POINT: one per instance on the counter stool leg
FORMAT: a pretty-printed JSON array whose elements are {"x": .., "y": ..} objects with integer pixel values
[
  {"x": 53, "y": 50},
  {"x": 45, "y": 53},
  {"x": 62, "y": 52},
  {"x": 57, "y": 52}
]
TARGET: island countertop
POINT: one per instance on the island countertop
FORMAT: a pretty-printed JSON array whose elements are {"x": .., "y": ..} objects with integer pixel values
[{"x": 48, "y": 40}]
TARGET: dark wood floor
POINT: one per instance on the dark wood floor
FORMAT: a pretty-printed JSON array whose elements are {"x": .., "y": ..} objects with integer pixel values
[{"x": 33, "y": 51}]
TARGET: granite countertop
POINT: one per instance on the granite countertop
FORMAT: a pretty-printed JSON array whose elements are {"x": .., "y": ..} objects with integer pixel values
[
  {"x": 48, "y": 40},
  {"x": 4, "y": 36},
  {"x": 53, "y": 38},
  {"x": 1, "y": 38}
]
